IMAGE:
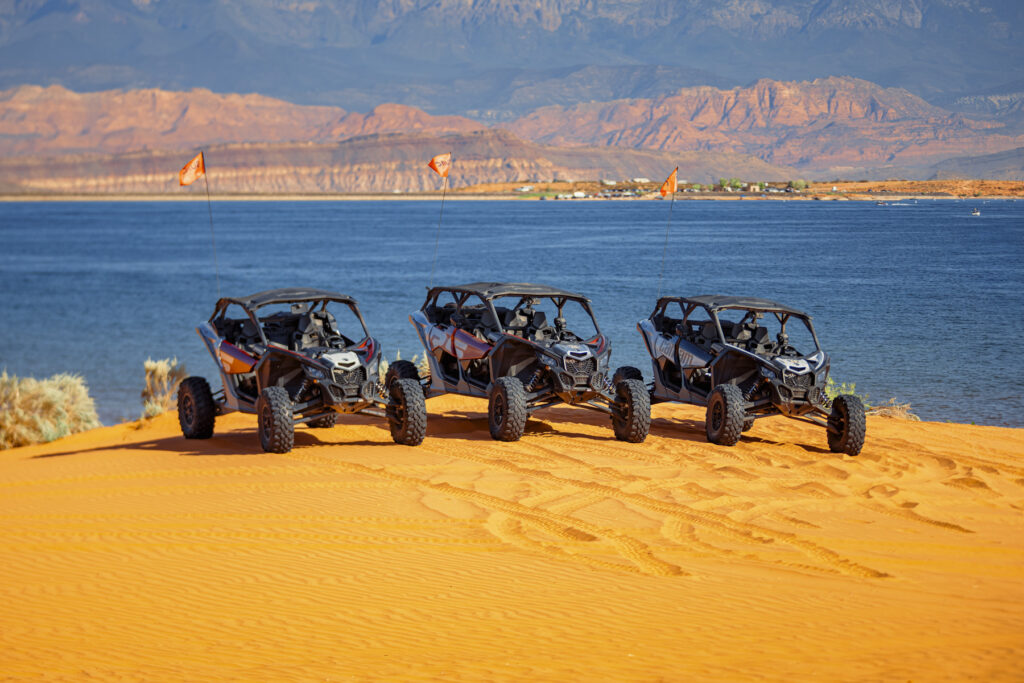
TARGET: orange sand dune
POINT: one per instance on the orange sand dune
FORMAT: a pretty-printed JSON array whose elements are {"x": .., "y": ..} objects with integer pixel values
[{"x": 129, "y": 553}]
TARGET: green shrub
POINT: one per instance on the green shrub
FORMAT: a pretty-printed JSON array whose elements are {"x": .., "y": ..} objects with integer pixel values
[
  {"x": 833, "y": 389},
  {"x": 162, "y": 380},
  {"x": 38, "y": 411}
]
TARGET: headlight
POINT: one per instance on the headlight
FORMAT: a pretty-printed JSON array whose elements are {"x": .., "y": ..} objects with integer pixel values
[
  {"x": 551, "y": 361},
  {"x": 314, "y": 372},
  {"x": 767, "y": 371}
]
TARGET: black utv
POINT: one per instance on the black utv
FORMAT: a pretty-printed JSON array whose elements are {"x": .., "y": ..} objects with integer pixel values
[
  {"x": 745, "y": 359},
  {"x": 522, "y": 347},
  {"x": 282, "y": 355}
]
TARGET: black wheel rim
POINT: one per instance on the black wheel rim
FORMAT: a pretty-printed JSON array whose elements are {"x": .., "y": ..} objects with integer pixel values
[
  {"x": 839, "y": 421},
  {"x": 717, "y": 414},
  {"x": 264, "y": 425},
  {"x": 499, "y": 410},
  {"x": 397, "y": 405},
  {"x": 188, "y": 409}
]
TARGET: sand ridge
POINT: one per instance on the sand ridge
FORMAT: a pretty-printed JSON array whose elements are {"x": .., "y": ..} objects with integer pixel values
[{"x": 131, "y": 553}]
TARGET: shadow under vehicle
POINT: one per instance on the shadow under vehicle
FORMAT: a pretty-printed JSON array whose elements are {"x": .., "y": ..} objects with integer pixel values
[
  {"x": 282, "y": 356},
  {"x": 735, "y": 355},
  {"x": 513, "y": 344}
]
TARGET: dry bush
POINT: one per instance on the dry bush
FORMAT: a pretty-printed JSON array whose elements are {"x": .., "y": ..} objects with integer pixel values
[
  {"x": 900, "y": 411},
  {"x": 162, "y": 380},
  {"x": 37, "y": 411}
]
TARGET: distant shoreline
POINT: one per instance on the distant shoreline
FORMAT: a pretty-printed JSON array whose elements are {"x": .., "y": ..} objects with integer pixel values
[{"x": 436, "y": 196}]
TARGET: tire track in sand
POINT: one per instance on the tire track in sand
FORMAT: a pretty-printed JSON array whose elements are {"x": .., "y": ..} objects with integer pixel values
[
  {"x": 566, "y": 528},
  {"x": 709, "y": 521}
]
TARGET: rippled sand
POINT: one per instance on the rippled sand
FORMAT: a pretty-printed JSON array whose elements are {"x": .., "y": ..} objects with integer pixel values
[{"x": 131, "y": 553}]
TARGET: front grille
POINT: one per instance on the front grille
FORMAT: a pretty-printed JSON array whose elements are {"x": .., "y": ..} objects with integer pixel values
[
  {"x": 798, "y": 381},
  {"x": 581, "y": 367},
  {"x": 353, "y": 377}
]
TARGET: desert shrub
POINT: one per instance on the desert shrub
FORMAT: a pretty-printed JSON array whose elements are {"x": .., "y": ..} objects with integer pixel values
[
  {"x": 37, "y": 411},
  {"x": 833, "y": 389},
  {"x": 891, "y": 408},
  {"x": 888, "y": 409},
  {"x": 162, "y": 380},
  {"x": 798, "y": 184}
]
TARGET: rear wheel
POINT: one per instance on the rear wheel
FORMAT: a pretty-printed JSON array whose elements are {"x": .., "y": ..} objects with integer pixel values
[
  {"x": 632, "y": 414},
  {"x": 626, "y": 372},
  {"x": 275, "y": 420},
  {"x": 324, "y": 421},
  {"x": 847, "y": 425},
  {"x": 402, "y": 369},
  {"x": 196, "y": 409},
  {"x": 724, "y": 420},
  {"x": 506, "y": 410},
  {"x": 407, "y": 412}
]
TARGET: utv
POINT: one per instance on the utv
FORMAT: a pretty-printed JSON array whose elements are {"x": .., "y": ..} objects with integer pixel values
[
  {"x": 523, "y": 356},
  {"x": 718, "y": 351},
  {"x": 282, "y": 356}
]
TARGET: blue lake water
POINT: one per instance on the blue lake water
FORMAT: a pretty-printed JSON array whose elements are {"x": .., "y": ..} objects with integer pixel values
[{"x": 920, "y": 302}]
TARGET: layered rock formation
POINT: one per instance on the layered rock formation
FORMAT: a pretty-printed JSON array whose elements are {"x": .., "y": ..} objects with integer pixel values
[
  {"x": 822, "y": 124},
  {"x": 36, "y": 120},
  {"x": 374, "y": 163}
]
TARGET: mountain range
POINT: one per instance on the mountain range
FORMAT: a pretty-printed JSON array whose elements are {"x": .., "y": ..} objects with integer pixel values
[
  {"x": 774, "y": 88},
  {"x": 827, "y": 128},
  {"x": 495, "y": 60}
]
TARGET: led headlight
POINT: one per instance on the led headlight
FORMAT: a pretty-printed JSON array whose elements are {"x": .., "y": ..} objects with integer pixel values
[
  {"x": 551, "y": 361},
  {"x": 314, "y": 372},
  {"x": 767, "y": 371}
]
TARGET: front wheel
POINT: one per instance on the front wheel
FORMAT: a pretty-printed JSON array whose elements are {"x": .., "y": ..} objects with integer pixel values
[
  {"x": 275, "y": 420},
  {"x": 196, "y": 409},
  {"x": 407, "y": 412},
  {"x": 631, "y": 418},
  {"x": 506, "y": 410},
  {"x": 847, "y": 425},
  {"x": 725, "y": 416}
]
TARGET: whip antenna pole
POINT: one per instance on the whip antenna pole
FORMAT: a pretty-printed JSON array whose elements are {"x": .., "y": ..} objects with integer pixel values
[
  {"x": 664, "y": 250},
  {"x": 437, "y": 238},
  {"x": 213, "y": 238}
]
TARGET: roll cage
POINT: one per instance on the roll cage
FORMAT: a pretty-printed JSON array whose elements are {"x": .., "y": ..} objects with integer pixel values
[
  {"x": 746, "y": 334},
  {"x": 308, "y": 323},
  {"x": 489, "y": 321}
]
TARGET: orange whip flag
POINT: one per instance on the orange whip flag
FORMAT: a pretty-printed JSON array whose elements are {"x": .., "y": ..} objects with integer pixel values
[
  {"x": 193, "y": 170},
  {"x": 441, "y": 164},
  {"x": 670, "y": 185}
]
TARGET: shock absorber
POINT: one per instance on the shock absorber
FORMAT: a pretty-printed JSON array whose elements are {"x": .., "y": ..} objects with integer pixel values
[
  {"x": 304, "y": 388},
  {"x": 750, "y": 393},
  {"x": 535, "y": 380}
]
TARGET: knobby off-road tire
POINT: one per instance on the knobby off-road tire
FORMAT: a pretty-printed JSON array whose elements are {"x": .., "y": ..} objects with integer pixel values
[
  {"x": 196, "y": 409},
  {"x": 275, "y": 420},
  {"x": 325, "y": 422},
  {"x": 848, "y": 421},
  {"x": 506, "y": 409},
  {"x": 632, "y": 416},
  {"x": 748, "y": 423},
  {"x": 724, "y": 420},
  {"x": 407, "y": 412},
  {"x": 626, "y": 372}
]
